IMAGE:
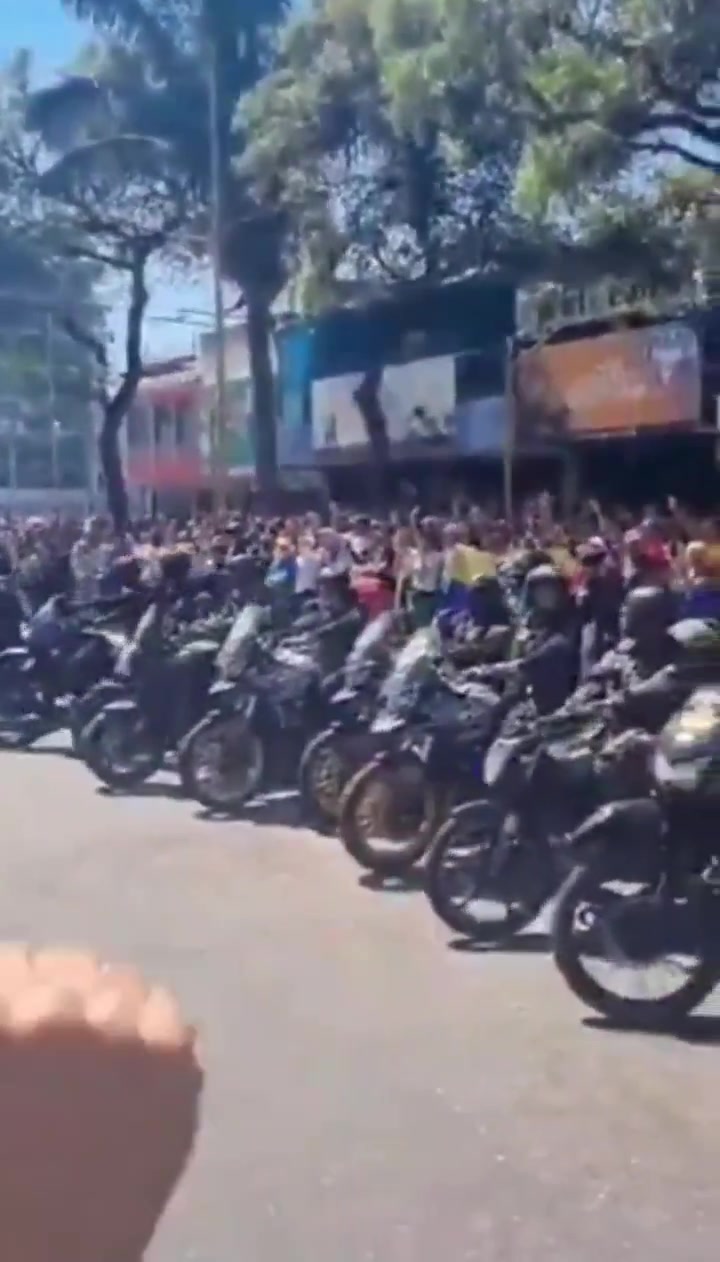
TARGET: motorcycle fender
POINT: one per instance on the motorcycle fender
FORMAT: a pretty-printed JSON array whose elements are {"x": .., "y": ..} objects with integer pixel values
[
  {"x": 351, "y": 722},
  {"x": 112, "y": 692},
  {"x": 226, "y": 698},
  {"x": 392, "y": 757},
  {"x": 629, "y": 833}
]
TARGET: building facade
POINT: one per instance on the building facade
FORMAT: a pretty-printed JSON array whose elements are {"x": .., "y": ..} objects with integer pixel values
[
  {"x": 48, "y": 421},
  {"x": 165, "y": 438}
]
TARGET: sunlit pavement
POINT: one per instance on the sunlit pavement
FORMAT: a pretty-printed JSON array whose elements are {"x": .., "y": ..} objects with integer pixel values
[{"x": 373, "y": 1095}]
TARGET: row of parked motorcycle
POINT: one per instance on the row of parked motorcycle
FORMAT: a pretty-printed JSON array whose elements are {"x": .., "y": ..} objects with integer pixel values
[{"x": 421, "y": 760}]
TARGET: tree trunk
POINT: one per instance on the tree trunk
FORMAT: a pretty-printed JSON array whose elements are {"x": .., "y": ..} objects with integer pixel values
[
  {"x": 116, "y": 408},
  {"x": 259, "y": 333},
  {"x": 367, "y": 397},
  {"x": 111, "y": 463}
]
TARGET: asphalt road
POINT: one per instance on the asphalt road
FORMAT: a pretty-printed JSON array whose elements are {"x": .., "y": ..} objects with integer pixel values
[{"x": 372, "y": 1095}]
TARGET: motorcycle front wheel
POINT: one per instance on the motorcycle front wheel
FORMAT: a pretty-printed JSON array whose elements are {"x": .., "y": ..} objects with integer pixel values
[
  {"x": 222, "y": 763},
  {"x": 22, "y": 710},
  {"x": 613, "y": 943},
  {"x": 325, "y": 769},
  {"x": 389, "y": 814},
  {"x": 120, "y": 750},
  {"x": 483, "y": 878}
]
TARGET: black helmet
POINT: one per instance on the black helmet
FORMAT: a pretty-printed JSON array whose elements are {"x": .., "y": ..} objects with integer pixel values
[
  {"x": 544, "y": 573},
  {"x": 547, "y": 590},
  {"x": 648, "y": 611}
]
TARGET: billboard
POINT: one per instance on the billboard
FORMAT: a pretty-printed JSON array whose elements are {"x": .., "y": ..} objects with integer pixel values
[
  {"x": 637, "y": 379},
  {"x": 416, "y": 398}
]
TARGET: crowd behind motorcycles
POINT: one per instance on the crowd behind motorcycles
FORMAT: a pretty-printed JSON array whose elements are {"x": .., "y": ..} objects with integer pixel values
[{"x": 522, "y": 711}]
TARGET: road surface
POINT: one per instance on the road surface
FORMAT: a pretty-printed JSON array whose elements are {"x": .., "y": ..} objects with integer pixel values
[{"x": 372, "y": 1094}]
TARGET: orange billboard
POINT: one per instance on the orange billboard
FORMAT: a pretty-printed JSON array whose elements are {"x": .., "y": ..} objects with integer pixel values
[{"x": 638, "y": 379}]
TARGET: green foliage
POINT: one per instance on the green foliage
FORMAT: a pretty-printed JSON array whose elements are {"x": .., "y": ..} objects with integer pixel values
[
  {"x": 383, "y": 133},
  {"x": 618, "y": 85},
  {"x": 135, "y": 129}
]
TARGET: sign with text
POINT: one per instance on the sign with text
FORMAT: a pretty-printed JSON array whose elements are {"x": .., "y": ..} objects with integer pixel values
[{"x": 637, "y": 379}]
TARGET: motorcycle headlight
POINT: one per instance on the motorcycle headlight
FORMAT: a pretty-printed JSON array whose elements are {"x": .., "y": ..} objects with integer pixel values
[{"x": 684, "y": 776}]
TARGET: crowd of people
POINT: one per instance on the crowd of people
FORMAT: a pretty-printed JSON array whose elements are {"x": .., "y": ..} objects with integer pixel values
[{"x": 425, "y": 563}]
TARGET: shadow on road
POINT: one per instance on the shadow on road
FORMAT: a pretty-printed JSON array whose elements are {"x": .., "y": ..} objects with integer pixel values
[
  {"x": 702, "y": 1029},
  {"x": 522, "y": 944},
  {"x": 153, "y": 789},
  {"x": 407, "y": 883},
  {"x": 278, "y": 812}
]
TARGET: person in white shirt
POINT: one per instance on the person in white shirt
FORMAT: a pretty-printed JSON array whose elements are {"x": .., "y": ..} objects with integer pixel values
[{"x": 308, "y": 566}]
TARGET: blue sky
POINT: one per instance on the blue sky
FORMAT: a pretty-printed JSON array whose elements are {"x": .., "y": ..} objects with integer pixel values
[
  {"x": 55, "y": 38},
  {"x": 42, "y": 25}
]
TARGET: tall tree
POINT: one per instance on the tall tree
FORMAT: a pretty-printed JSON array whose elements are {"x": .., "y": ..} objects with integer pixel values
[
  {"x": 172, "y": 65},
  {"x": 622, "y": 88},
  {"x": 393, "y": 167},
  {"x": 84, "y": 190}
]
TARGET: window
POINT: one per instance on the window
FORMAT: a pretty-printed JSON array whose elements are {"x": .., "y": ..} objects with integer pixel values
[
  {"x": 183, "y": 425},
  {"x": 34, "y": 462},
  {"x": 72, "y": 462},
  {"x": 162, "y": 424},
  {"x": 5, "y": 463},
  {"x": 137, "y": 427}
]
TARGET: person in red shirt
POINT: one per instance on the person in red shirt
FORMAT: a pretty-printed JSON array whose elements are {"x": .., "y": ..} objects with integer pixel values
[{"x": 648, "y": 561}]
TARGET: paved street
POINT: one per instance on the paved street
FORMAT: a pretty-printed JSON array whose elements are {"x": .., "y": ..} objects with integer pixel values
[{"x": 372, "y": 1095}]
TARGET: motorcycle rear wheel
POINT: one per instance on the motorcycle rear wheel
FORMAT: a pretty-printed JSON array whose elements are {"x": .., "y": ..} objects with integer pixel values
[
  {"x": 477, "y": 828},
  {"x": 220, "y": 738},
  {"x": 399, "y": 796},
  {"x": 107, "y": 737},
  {"x": 86, "y": 708},
  {"x": 583, "y": 890}
]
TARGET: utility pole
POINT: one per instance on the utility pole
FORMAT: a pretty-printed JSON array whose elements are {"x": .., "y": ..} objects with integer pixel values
[
  {"x": 216, "y": 235},
  {"x": 52, "y": 402}
]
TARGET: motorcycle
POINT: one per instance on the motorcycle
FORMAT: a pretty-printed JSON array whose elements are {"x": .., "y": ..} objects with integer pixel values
[
  {"x": 642, "y": 904},
  {"x": 430, "y": 728},
  {"x": 261, "y": 710},
  {"x": 497, "y": 860},
  {"x": 120, "y": 686},
  {"x": 167, "y": 692},
  {"x": 42, "y": 681},
  {"x": 332, "y": 756}
]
